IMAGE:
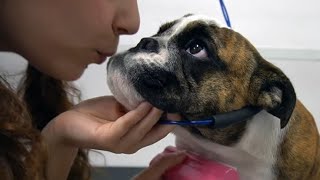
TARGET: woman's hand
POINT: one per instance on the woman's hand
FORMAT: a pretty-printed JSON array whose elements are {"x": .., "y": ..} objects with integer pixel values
[
  {"x": 159, "y": 166},
  {"x": 102, "y": 123}
]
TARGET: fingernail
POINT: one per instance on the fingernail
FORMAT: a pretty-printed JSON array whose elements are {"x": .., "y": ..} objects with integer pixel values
[
  {"x": 159, "y": 110},
  {"x": 146, "y": 104},
  {"x": 174, "y": 117},
  {"x": 180, "y": 156},
  {"x": 180, "y": 153}
]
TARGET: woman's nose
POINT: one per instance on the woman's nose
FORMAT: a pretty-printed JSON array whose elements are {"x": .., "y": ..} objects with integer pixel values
[{"x": 127, "y": 19}]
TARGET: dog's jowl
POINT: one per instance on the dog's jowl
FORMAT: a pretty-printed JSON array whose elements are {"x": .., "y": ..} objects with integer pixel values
[{"x": 195, "y": 67}]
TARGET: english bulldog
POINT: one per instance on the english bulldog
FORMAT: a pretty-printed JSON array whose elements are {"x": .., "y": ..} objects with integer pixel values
[{"x": 197, "y": 68}]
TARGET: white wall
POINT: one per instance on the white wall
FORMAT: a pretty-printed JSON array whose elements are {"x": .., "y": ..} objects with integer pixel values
[
  {"x": 267, "y": 23},
  {"x": 286, "y": 32}
]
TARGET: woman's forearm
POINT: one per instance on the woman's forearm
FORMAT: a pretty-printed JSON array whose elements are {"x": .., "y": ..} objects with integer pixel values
[
  {"x": 60, "y": 160},
  {"x": 60, "y": 155}
]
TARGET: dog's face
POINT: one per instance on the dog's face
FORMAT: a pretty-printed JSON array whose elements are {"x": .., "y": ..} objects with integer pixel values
[{"x": 194, "y": 67}]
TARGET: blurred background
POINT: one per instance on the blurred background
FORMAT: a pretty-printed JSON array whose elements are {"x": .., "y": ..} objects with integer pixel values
[{"x": 285, "y": 32}]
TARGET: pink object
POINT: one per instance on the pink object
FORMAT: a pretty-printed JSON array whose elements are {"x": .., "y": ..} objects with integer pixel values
[{"x": 197, "y": 168}]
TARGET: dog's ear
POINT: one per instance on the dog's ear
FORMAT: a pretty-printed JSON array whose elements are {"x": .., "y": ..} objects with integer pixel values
[{"x": 273, "y": 91}]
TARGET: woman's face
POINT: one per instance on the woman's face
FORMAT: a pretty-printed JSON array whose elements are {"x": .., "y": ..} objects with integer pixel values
[{"x": 61, "y": 37}]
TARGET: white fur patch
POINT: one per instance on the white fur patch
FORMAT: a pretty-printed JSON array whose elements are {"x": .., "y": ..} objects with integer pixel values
[
  {"x": 145, "y": 58},
  {"x": 122, "y": 89},
  {"x": 179, "y": 27},
  {"x": 255, "y": 154}
]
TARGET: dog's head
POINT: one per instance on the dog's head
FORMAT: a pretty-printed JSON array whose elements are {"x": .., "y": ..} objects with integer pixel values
[{"x": 194, "y": 67}]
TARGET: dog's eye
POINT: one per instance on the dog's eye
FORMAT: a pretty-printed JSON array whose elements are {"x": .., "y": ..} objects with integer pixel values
[{"x": 197, "y": 49}]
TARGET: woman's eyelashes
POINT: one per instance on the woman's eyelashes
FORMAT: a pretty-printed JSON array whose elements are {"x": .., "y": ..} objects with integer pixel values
[{"x": 197, "y": 49}]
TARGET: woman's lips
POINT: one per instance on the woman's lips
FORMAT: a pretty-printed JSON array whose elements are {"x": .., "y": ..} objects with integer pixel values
[{"x": 101, "y": 57}]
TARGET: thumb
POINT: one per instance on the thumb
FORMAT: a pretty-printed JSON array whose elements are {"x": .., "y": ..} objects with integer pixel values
[{"x": 161, "y": 165}]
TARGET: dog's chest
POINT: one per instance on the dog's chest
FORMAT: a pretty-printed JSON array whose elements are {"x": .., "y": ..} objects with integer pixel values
[{"x": 254, "y": 155}]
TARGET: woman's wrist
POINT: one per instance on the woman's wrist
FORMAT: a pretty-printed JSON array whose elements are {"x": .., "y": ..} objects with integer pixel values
[{"x": 60, "y": 154}]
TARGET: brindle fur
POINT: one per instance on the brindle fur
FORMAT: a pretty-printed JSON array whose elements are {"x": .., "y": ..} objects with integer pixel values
[{"x": 299, "y": 156}]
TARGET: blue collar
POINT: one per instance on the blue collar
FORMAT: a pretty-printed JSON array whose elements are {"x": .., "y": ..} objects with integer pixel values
[{"x": 220, "y": 120}]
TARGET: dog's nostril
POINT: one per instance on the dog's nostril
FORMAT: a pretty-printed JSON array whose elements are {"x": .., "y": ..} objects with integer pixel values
[{"x": 148, "y": 44}]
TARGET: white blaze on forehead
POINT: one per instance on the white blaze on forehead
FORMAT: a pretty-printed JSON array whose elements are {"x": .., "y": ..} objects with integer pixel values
[{"x": 183, "y": 23}]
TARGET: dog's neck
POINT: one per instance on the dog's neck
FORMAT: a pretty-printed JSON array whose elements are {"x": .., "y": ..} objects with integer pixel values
[{"x": 258, "y": 147}]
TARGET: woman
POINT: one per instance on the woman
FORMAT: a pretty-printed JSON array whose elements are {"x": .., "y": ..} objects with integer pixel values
[{"x": 60, "y": 38}]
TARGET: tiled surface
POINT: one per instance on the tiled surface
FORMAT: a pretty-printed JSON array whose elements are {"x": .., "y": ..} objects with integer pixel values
[{"x": 113, "y": 173}]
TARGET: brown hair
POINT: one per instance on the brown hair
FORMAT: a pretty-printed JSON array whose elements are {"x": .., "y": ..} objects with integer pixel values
[{"x": 40, "y": 98}]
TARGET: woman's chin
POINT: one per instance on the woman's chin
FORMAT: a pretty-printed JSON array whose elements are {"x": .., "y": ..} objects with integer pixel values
[{"x": 65, "y": 75}]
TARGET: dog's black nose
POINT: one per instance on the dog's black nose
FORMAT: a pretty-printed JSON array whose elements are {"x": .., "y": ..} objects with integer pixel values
[{"x": 149, "y": 45}]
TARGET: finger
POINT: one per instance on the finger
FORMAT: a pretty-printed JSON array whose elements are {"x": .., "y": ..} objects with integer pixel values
[
  {"x": 149, "y": 121},
  {"x": 157, "y": 133},
  {"x": 127, "y": 121},
  {"x": 143, "y": 127},
  {"x": 158, "y": 168},
  {"x": 160, "y": 156},
  {"x": 168, "y": 161},
  {"x": 174, "y": 117},
  {"x": 116, "y": 130}
]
